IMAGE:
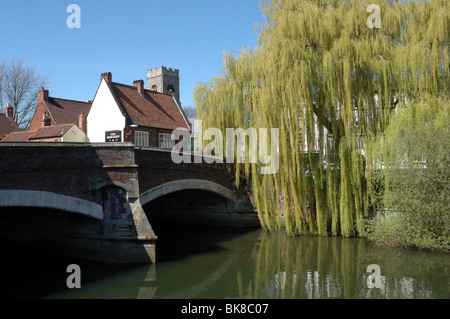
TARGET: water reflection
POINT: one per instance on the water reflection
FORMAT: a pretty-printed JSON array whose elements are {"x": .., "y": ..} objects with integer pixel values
[
  {"x": 317, "y": 267},
  {"x": 255, "y": 264}
]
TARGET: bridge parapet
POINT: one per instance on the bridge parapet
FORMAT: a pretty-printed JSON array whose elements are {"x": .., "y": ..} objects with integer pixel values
[
  {"x": 156, "y": 168},
  {"x": 72, "y": 169}
]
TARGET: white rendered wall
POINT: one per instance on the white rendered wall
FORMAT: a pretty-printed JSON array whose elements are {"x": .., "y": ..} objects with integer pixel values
[
  {"x": 74, "y": 135},
  {"x": 104, "y": 115}
]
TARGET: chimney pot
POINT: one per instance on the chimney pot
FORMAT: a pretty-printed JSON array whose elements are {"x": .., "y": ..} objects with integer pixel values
[
  {"x": 82, "y": 122},
  {"x": 42, "y": 95},
  {"x": 107, "y": 76},
  {"x": 139, "y": 84},
  {"x": 9, "y": 111}
]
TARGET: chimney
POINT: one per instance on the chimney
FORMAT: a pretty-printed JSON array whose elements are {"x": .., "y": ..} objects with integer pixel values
[
  {"x": 82, "y": 122},
  {"x": 9, "y": 111},
  {"x": 107, "y": 76},
  {"x": 46, "y": 121},
  {"x": 42, "y": 95},
  {"x": 139, "y": 84}
]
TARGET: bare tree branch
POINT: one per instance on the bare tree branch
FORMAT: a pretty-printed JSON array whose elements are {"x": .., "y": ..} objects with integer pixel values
[
  {"x": 191, "y": 111},
  {"x": 19, "y": 87}
]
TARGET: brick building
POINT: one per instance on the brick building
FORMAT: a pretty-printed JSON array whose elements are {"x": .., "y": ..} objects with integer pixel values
[
  {"x": 118, "y": 113},
  {"x": 7, "y": 123},
  {"x": 59, "y": 111},
  {"x": 131, "y": 113},
  {"x": 54, "y": 133},
  {"x": 54, "y": 120}
]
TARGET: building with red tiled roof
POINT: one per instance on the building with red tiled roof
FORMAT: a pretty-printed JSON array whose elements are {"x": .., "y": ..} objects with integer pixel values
[
  {"x": 22, "y": 136},
  {"x": 7, "y": 123},
  {"x": 130, "y": 113},
  {"x": 60, "y": 111},
  {"x": 52, "y": 133},
  {"x": 118, "y": 113}
]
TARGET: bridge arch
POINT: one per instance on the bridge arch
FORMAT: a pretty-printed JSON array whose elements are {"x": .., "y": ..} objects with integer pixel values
[
  {"x": 27, "y": 198},
  {"x": 184, "y": 184}
]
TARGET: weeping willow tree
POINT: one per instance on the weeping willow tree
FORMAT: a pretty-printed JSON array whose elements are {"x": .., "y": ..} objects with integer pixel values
[
  {"x": 330, "y": 83},
  {"x": 414, "y": 155}
]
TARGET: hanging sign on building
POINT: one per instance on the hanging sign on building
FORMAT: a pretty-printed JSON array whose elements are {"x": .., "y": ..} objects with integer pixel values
[{"x": 113, "y": 136}]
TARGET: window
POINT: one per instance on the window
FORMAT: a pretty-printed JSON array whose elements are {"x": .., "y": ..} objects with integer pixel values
[
  {"x": 154, "y": 88},
  {"x": 165, "y": 140},
  {"x": 141, "y": 138},
  {"x": 170, "y": 89}
]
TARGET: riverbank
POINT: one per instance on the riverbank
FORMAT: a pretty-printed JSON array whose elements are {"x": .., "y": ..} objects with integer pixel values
[{"x": 384, "y": 229}]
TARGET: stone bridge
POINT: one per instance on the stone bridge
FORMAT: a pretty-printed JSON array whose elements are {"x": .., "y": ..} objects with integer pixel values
[{"x": 100, "y": 201}]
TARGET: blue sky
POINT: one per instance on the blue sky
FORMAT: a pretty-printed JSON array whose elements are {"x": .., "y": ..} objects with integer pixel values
[{"x": 125, "y": 38}]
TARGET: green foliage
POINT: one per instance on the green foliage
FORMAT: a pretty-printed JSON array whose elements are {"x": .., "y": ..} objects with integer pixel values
[
  {"x": 313, "y": 76},
  {"x": 414, "y": 152}
]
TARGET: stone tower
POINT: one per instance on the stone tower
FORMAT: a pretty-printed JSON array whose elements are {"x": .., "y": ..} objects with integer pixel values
[{"x": 164, "y": 80}]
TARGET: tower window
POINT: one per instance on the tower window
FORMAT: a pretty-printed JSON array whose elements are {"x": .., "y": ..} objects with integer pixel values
[
  {"x": 170, "y": 89},
  {"x": 154, "y": 88}
]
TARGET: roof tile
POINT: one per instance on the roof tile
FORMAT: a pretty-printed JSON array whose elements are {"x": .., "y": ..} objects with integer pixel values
[
  {"x": 65, "y": 111},
  {"x": 61, "y": 111},
  {"x": 51, "y": 131},
  {"x": 7, "y": 125},
  {"x": 152, "y": 109},
  {"x": 22, "y": 136},
  {"x": 42, "y": 133}
]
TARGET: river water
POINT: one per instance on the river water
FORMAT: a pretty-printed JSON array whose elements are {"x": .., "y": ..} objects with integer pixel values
[{"x": 224, "y": 263}]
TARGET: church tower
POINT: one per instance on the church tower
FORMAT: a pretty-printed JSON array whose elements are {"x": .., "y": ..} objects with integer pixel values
[{"x": 164, "y": 80}]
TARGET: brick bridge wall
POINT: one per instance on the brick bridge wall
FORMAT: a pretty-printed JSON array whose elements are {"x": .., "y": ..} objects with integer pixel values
[
  {"x": 67, "y": 169},
  {"x": 77, "y": 170},
  {"x": 156, "y": 167}
]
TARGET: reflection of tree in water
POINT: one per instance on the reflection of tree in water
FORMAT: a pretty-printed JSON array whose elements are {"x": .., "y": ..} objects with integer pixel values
[{"x": 322, "y": 267}]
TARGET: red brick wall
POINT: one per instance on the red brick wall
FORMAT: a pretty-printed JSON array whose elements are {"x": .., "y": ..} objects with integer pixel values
[
  {"x": 76, "y": 169},
  {"x": 64, "y": 169},
  {"x": 36, "y": 121},
  {"x": 156, "y": 168}
]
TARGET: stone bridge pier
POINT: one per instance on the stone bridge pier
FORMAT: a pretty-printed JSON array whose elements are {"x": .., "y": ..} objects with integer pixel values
[{"x": 94, "y": 201}]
